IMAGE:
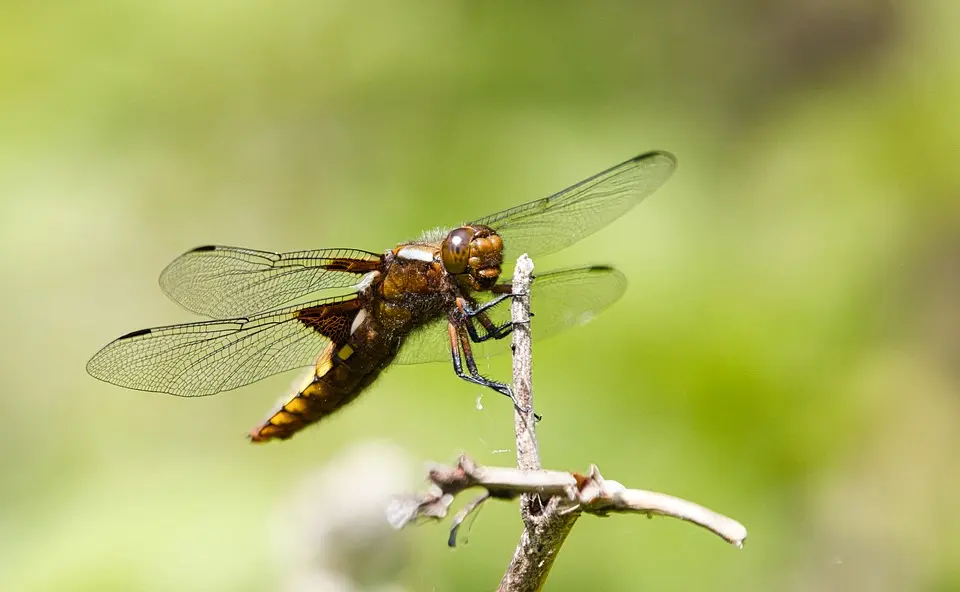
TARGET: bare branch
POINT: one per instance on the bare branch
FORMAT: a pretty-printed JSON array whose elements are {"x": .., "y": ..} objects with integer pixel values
[
  {"x": 528, "y": 455},
  {"x": 568, "y": 493},
  {"x": 544, "y": 527}
]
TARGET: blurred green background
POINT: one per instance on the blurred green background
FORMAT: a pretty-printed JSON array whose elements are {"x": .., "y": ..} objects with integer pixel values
[{"x": 787, "y": 351}]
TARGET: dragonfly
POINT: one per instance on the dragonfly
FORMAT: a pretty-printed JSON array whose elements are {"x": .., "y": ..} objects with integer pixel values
[{"x": 430, "y": 299}]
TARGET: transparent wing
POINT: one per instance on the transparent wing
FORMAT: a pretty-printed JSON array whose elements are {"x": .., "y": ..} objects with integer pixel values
[
  {"x": 553, "y": 223},
  {"x": 197, "y": 359},
  {"x": 221, "y": 282},
  {"x": 559, "y": 299},
  {"x": 428, "y": 343}
]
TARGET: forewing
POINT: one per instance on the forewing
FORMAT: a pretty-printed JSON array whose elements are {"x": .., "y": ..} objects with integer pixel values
[
  {"x": 555, "y": 222},
  {"x": 204, "y": 358},
  {"x": 222, "y": 282},
  {"x": 559, "y": 299}
]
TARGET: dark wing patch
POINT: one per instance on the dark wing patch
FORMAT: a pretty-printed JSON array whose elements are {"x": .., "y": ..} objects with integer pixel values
[
  {"x": 220, "y": 282},
  {"x": 333, "y": 321}
]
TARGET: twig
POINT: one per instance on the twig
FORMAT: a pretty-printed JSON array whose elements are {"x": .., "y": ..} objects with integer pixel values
[
  {"x": 545, "y": 528},
  {"x": 568, "y": 493},
  {"x": 528, "y": 454}
]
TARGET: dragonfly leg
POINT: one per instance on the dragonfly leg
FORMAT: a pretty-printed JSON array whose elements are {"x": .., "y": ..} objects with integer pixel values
[
  {"x": 459, "y": 341},
  {"x": 486, "y": 305},
  {"x": 504, "y": 292},
  {"x": 492, "y": 330}
]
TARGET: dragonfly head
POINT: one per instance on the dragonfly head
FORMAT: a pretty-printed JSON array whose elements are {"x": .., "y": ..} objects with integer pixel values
[{"x": 473, "y": 254}]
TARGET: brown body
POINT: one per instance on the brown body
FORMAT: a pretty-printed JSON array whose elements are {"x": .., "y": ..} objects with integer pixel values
[{"x": 405, "y": 292}]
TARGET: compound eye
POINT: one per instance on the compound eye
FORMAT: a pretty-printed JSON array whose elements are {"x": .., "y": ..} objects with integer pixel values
[{"x": 455, "y": 250}]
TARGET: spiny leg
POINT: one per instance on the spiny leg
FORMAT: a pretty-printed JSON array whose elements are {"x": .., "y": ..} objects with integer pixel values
[
  {"x": 486, "y": 305},
  {"x": 500, "y": 387},
  {"x": 492, "y": 330},
  {"x": 459, "y": 341},
  {"x": 503, "y": 291}
]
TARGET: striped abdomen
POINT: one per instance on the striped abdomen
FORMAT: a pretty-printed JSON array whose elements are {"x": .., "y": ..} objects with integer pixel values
[{"x": 341, "y": 374}]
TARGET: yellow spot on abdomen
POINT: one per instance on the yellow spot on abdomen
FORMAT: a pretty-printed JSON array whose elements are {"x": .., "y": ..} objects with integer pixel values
[
  {"x": 297, "y": 404},
  {"x": 282, "y": 418},
  {"x": 265, "y": 433},
  {"x": 345, "y": 352}
]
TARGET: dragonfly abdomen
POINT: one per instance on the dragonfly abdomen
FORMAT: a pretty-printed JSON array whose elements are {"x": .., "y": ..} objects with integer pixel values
[{"x": 341, "y": 374}]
